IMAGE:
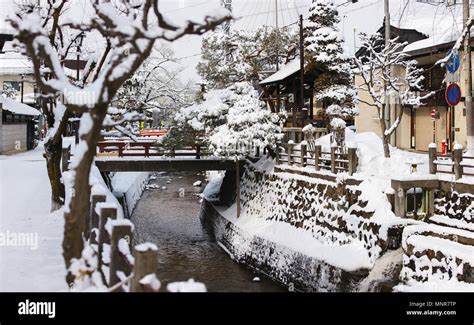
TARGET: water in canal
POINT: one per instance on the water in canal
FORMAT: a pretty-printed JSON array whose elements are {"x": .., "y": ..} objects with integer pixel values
[{"x": 172, "y": 222}]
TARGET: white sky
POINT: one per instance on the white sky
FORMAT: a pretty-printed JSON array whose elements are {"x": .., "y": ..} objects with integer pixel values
[{"x": 364, "y": 16}]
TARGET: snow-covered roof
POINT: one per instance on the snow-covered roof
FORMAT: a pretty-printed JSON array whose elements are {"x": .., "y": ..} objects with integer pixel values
[
  {"x": 15, "y": 107},
  {"x": 12, "y": 63},
  {"x": 441, "y": 24},
  {"x": 286, "y": 71}
]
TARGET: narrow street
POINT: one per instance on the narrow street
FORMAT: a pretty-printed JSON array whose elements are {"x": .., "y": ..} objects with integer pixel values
[{"x": 184, "y": 250}]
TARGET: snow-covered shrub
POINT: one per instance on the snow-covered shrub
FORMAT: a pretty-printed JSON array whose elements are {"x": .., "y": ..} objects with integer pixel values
[{"x": 233, "y": 120}]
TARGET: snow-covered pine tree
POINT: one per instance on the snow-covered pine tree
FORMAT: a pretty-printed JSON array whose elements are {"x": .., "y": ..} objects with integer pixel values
[
  {"x": 324, "y": 56},
  {"x": 232, "y": 121},
  {"x": 242, "y": 55}
]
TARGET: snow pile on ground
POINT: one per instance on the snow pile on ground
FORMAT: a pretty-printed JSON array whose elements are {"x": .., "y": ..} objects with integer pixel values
[{"x": 371, "y": 158}]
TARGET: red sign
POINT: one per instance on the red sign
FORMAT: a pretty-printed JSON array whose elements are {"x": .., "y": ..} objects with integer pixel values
[
  {"x": 433, "y": 114},
  {"x": 453, "y": 94}
]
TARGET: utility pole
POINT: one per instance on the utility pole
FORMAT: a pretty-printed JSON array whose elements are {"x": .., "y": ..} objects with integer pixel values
[
  {"x": 303, "y": 108},
  {"x": 278, "y": 36},
  {"x": 468, "y": 81},
  {"x": 387, "y": 114}
]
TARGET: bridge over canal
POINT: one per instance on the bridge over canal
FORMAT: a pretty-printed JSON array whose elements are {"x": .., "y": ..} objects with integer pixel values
[{"x": 141, "y": 156}]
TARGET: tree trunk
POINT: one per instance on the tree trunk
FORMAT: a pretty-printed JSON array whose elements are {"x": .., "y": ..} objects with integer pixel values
[
  {"x": 386, "y": 148},
  {"x": 73, "y": 242},
  {"x": 52, "y": 153}
]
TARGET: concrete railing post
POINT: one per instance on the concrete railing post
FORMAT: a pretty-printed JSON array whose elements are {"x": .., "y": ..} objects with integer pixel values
[
  {"x": 93, "y": 220},
  {"x": 65, "y": 157},
  {"x": 303, "y": 155},
  {"x": 457, "y": 158},
  {"x": 432, "y": 158},
  {"x": 146, "y": 262},
  {"x": 317, "y": 155},
  {"x": 352, "y": 157},
  {"x": 117, "y": 261},
  {"x": 400, "y": 199},
  {"x": 333, "y": 159},
  {"x": 290, "y": 153}
]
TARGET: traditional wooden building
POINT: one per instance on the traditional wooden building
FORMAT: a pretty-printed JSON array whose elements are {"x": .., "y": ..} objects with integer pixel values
[{"x": 282, "y": 93}]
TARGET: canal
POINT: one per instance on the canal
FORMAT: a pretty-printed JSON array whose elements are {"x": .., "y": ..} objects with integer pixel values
[{"x": 168, "y": 215}]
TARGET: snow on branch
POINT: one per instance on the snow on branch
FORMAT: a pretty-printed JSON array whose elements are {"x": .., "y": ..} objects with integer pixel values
[
  {"x": 458, "y": 43},
  {"x": 128, "y": 32}
]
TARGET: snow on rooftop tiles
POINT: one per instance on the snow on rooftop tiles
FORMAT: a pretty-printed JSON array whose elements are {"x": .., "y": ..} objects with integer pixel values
[
  {"x": 286, "y": 71},
  {"x": 15, "y": 107},
  {"x": 12, "y": 63}
]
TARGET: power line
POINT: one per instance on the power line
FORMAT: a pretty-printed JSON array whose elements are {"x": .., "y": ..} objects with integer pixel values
[{"x": 267, "y": 12}]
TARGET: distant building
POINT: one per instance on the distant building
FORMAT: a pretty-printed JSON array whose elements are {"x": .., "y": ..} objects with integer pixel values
[
  {"x": 417, "y": 128},
  {"x": 19, "y": 120}
]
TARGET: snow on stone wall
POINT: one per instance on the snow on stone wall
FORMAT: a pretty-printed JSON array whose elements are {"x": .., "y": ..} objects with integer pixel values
[
  {"x": 454, "y": 209},
  {"x": 435, "y": 253},
  {"x": 295, "y": 269},
  {"x": 333, "y": 212},
  {"x": 131, "y": 185}
]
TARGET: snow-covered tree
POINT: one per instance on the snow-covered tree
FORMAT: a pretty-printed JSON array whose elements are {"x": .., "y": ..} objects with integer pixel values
[
  {"x": 233, "y": 121},
  {"x": 389, "y": 71},
  {"x": 125, "y": 33},
  {"x": 155, "y": 90},
  {"x": 325, "y": 57},
  {"x": 242, "y": 55}
]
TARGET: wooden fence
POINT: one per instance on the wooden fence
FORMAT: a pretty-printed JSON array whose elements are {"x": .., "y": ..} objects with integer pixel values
[
  {"x": 296, "y": 134},
  {"x": 456, "y": 164},
  {"x": 336, "y": 160}
]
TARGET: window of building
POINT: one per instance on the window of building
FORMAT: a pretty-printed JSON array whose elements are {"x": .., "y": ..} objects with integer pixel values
[{"x": 11, "y": 85}]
